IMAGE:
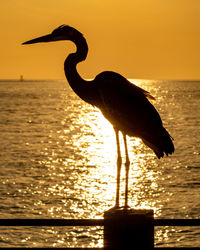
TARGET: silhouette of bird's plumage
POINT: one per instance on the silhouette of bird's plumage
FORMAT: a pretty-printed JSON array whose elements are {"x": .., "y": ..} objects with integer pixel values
[
  {"x": 124, "y": 104},
  {"x": 127, "y": 107}
]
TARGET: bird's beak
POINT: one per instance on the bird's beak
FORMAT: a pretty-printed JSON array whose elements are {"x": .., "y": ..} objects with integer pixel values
[{"x": 42, "y": 39}]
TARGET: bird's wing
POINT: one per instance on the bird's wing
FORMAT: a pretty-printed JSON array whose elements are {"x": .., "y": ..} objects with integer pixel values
[
  {"x": 127, "y": 108},
  {"x": 146, "y": 93},
  {"x": 126, "y": 105}
]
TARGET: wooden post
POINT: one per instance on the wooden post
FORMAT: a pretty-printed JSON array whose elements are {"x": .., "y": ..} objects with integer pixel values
[{"x": 128, "y": 229}]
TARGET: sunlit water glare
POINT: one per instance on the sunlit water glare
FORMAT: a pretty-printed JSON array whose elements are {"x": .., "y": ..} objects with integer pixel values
[{"x": 58, "y": 160}]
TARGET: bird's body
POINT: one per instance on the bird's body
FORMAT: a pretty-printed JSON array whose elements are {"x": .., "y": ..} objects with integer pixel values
[
  {"x": 125, "y": 105},
  {"x": 120, "y": 99}
]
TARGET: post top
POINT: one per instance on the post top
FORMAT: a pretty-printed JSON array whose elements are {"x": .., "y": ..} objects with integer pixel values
[{"x": 121, "y": 211}]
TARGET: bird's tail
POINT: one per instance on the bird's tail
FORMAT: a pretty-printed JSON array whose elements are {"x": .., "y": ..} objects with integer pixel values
[{"x": 161, "y": 143}]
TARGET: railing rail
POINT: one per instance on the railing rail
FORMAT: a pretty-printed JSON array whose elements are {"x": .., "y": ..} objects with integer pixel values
[
  {"x": 89, "y": 222},
  {"x": 177, "y": 222},
  {"x": 51, "y": 222}
]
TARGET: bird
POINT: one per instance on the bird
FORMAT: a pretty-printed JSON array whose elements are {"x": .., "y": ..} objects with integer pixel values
[{"x": 125, "y": 105}]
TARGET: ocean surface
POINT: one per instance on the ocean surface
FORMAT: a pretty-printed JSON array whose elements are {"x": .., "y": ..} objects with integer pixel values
[{"x": 58, "y": 160}]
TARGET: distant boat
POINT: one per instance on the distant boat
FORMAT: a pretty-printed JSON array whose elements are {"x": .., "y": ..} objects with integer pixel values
[{"x": 21, "y": 78}]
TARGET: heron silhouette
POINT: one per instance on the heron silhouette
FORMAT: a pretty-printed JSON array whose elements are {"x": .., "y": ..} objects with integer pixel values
[{"x": 123, "y": 104}]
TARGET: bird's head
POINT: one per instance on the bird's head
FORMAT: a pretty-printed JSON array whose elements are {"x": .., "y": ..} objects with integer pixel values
[{"x": 63, "y": 32}]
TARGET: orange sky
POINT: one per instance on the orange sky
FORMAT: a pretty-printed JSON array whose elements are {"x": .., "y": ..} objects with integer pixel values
[{"x": 146, "y": 39}]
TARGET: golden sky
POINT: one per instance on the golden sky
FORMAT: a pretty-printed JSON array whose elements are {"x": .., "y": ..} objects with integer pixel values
[{"x": 145, "y": 39}]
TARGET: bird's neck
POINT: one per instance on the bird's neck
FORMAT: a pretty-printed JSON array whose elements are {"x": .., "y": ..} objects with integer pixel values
[{"x": 80, "y": 86}]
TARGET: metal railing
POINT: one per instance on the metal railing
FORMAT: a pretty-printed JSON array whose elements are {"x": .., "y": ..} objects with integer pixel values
[{"x": 89, "y": 222}]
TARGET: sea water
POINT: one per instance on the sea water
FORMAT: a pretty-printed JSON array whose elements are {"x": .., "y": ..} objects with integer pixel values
[{"x": 58, "y": 160}]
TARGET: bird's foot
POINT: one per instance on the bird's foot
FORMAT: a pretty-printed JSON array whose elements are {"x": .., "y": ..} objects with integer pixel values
[{"x": 126, "y": 207}]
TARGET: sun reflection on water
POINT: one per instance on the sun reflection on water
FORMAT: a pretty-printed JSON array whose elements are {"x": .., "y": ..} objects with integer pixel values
[
  {"x": 90, "y": 166},
  {"x": 97, "y": 143},
  {"x": 81, "y": 168}
]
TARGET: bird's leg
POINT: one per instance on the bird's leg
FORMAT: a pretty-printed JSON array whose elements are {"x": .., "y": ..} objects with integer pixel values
[
  {"x": 119, "y": 163},
  {"x": 127, "y": 167}
]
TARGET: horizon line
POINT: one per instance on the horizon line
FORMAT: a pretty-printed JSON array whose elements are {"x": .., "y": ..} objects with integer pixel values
[{"x": 64, "y": 79}]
